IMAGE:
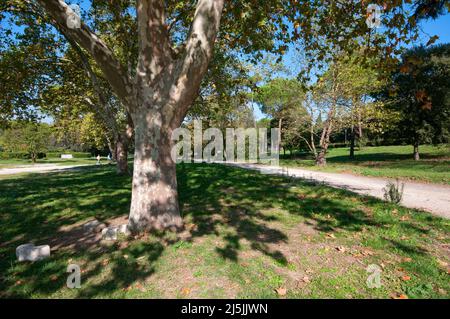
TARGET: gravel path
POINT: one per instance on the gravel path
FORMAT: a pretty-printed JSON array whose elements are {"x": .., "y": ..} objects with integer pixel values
[
  {"x": 37, "y": 168},
  {"x": 434, "y": 198}
]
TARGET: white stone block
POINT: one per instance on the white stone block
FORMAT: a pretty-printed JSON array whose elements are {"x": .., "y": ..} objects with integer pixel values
[
  {"x": 110, "y": 233},
  {"x": 93, "y": 226},
  {"x": 31, "y": 252},
  {"x": 123, "y": 229}
]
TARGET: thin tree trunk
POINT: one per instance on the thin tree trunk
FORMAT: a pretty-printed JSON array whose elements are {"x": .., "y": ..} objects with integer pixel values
[
  {"x": 416, "y": 151},
  {"x": 112, "y": 148},
  {"x": 352, "y": 142},
  {"x": 325, "y": 139},
  {"x": 280, "y": 122},
  {"x": 360, "y": 130},
  {"x": 122, "y": 155},
  {"x": 321, "y": 159}
]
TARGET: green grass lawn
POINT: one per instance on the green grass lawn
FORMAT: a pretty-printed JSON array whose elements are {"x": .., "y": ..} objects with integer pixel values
[
  {"x": 11, "y": 163},
  {"x": 246, "y": 235},
  {"x": 385, "y": 161}
]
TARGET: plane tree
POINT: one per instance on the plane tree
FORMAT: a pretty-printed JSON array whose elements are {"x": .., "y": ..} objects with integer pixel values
[{"x": 176, "y": 40}]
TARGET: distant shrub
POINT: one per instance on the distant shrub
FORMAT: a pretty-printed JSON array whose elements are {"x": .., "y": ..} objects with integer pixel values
[
  {"x": 393, "y": 192},
  {"x": 14, "y": 155},
  {"x": 20, "y": 155}
]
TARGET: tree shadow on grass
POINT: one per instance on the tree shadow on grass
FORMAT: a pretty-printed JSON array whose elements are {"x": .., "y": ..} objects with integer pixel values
[{"x": 223, "y": 201}]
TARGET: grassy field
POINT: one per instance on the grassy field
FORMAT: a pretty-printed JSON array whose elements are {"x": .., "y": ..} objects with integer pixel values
[
  {"x": 246, "y": 236},
  {"x": 384, "y": 161},
  {"x": 11, "y": 163}
]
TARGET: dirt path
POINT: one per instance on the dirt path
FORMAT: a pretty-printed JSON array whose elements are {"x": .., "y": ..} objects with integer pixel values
[
  {"x": 37, "y": 168},
  {"x": 433, "y": 198}
]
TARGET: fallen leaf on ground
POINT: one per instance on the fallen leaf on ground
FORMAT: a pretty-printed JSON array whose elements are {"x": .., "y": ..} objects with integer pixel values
[
  {"x": 186, "y": 291},
  {"x": 54, "y": 278},
  {"x": 281, "y": 291},
  {"x": 306, "y": 279},
  {"x": 367, "y": 252},
  {"x": 341, "y": 249},
  {"x": 406, "y": 278},
  {"x": 406, "y": 260},
  {"x": 105, "y": 262},
  {"x": 399, "y": 296}
]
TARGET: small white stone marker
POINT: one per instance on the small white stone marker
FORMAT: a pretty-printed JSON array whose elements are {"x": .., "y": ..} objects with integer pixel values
[
  {"x": 31, "y": 252},
  {"x": 123, "y": 229},
  {"x": 110, "y": 233},
  {"x": 93, "y": 226}
]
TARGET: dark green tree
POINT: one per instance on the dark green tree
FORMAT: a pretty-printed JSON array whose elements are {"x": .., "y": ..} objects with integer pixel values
[{"x": 420, "y": 92}]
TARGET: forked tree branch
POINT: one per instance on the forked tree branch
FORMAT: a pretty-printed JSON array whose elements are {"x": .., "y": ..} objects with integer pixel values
[{"x": 113, "y": 70}]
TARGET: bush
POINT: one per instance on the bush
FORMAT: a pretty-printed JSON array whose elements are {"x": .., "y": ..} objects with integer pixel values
[
  {"x": 14, "y": 155},
  {"x": 393, "y": 192},
  {"x": 19, "y": 155}
]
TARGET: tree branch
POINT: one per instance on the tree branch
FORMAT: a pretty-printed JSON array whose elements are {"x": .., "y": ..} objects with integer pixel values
[
  {"x": 113, "y": 70},
  {"x": 199, "y": 50},
  {"x": 154, "y": 42}
]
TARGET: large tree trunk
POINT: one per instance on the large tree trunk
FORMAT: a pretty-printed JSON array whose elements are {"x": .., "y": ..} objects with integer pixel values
[
  {"x": 154, "y": 199},
  {"x": 416, "y": 151}
]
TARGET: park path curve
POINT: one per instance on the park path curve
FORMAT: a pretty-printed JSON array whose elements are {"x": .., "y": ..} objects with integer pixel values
[
  {"x": 434, "y": 198},
  {"x": 37, "y": 168}
]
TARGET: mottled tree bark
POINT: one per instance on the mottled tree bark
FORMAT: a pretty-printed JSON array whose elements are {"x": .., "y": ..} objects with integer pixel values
[{"x": 154, "y": 202}]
